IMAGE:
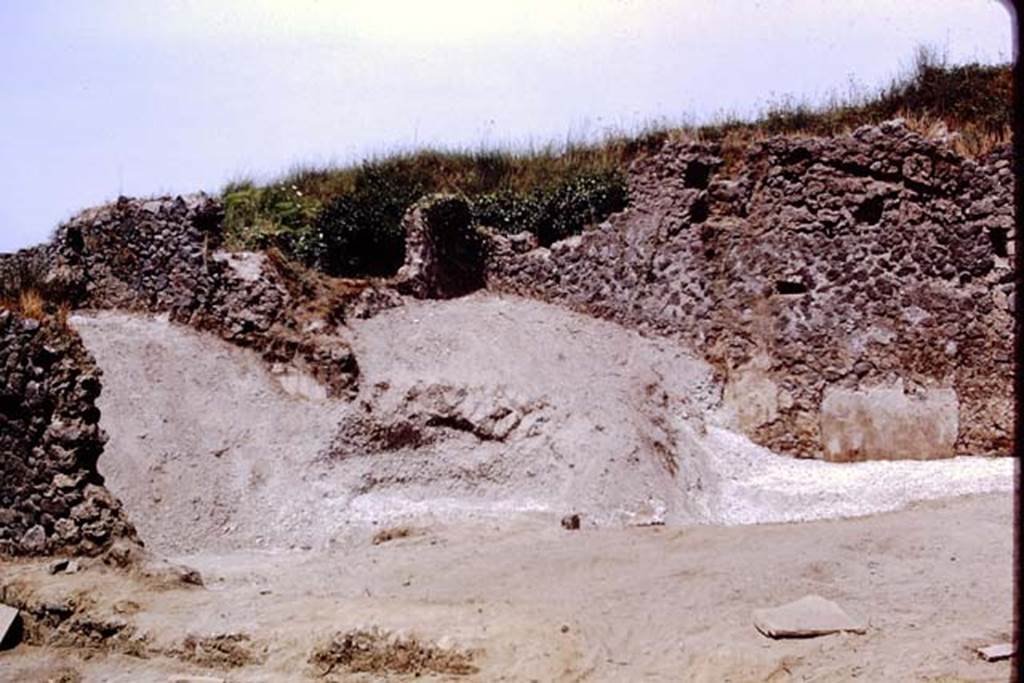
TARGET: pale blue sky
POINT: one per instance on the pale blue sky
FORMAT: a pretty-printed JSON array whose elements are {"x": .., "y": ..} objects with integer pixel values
[{"x": 112, "y": 97}]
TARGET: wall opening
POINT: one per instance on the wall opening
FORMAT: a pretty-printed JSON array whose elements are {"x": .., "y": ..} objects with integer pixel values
[
  {"x": 12, "y": 408},
  {"x": 796, "y": 155},
  {"x": 75, "y": 241},
  {"x": 697, "y": 175},
  {"x": 1000, "y": 238},
  {"x": 699, "y": 211},
  {"x": 870, "y": 211},
  {"x": 790, "y": 287}
]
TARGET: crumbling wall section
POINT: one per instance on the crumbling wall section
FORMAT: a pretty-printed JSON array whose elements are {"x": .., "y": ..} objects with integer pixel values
[
  {"x": 445, "y": 254},
  {"x": 878, "y": 261},
  {"x": 52, "y": 499},
  {"x": 164, "y": 255}
]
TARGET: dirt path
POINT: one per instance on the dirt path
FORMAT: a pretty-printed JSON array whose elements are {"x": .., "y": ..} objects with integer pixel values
[{"x": 540, "y": 603}]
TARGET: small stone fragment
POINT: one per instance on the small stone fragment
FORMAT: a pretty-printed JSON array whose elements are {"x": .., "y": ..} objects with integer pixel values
[
  {"x": 126, "y": 607},
  {"x": 34, "y": 540},
  {"x": 59, "y": 566},
  {"x": 10, "y": 627},
  {"x": 810, "y": 616},
  {"x": 997, "y": 652},
  {"x": 571, "y": 522}
]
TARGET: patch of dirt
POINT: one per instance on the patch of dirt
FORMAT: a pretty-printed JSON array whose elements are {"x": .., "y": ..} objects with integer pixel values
[
  {"x": 65, "y": 615},
  {"x": 657, "y": 603},
  {"x": 380, "y": 652},
  {"x": 392, "y": 533},
  {"x": 56, "y": 674},
  {"x": 329, "y": 299},
  {"x": 65, "y": 676}
]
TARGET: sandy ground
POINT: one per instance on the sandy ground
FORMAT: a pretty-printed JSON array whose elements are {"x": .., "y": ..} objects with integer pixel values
[
  {"x": 645, "y": 603},
  {"x": 510, "y": 413}
]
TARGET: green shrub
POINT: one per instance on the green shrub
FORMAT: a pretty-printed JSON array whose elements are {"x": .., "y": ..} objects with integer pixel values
[
  {"x": 273, "y": 216},
  {"x": 356, "y": 230},
  {"x": 360, "y": 233},
  {"x": 555, "y": 212},
  {"x": 357, "y": 237},
  {"x": 508, "y": 211},
  {"x": 579, "y": 202}
]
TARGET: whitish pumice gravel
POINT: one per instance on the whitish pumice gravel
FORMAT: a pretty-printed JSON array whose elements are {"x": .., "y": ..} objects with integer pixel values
[{"x": 502, "y": 405}]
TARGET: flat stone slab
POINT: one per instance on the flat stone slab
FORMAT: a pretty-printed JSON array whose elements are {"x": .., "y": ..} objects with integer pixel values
[
  {"x": 8, "y": 621},
  {"x": 810, "y": 616},
  {"x": 997, "y": 652}
]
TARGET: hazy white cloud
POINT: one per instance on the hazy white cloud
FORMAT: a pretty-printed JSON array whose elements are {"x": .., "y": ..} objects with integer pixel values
[{"x": 396, "y": 23}]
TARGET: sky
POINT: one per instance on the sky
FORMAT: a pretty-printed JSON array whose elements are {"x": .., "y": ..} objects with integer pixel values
[{"x": 112, "y": 97}]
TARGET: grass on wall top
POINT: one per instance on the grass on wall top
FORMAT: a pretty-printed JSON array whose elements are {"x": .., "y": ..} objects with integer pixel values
[{"x": 346, "y": 220}]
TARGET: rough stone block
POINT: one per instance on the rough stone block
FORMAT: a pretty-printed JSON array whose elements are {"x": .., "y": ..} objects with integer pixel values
[
  {"x": 997, "y": 652},
  {"x": 810, "y": 616},
  {"x": 885, "y": 423},
  {"x": 9, "y": 626}
]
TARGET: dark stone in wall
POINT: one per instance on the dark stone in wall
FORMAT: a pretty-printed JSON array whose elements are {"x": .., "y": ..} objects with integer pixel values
[{"x": 163, "y": 255}]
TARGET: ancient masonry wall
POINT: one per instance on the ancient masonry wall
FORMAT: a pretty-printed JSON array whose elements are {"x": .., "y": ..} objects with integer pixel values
[
  {"x": 855, "y": 292},
  {"x": 444, "y": 252},
  {"x": 163, "y": 255},
  {"x": 52, "y": 499}
]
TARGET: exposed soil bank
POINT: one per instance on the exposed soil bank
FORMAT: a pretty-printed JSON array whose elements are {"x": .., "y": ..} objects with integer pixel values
[{"x": 476, "y": 407}]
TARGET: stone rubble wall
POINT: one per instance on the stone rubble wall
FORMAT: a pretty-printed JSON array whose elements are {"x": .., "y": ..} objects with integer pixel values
[
  {"x": 855, "y": 292},
  {"x": 52, "y": 499},
  {"x": 163, "y": 255},
  {"x": 444, "y": 251}
]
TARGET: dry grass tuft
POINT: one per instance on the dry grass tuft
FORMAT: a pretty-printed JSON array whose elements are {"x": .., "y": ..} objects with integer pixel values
[
  {"x": 224, "y": 651},
  {"x": 968, "y": 141},
  {"x": 62, "y": 314},
  {"x": 31, "y": 304},
  {"x": 26, "y": 289},
  {"x": 380, "y": 653}
]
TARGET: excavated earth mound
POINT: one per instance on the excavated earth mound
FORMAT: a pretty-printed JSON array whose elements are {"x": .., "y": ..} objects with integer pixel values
[
  {"x": 479, "y": 406},
  {"x": 207, "y": 449}
]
